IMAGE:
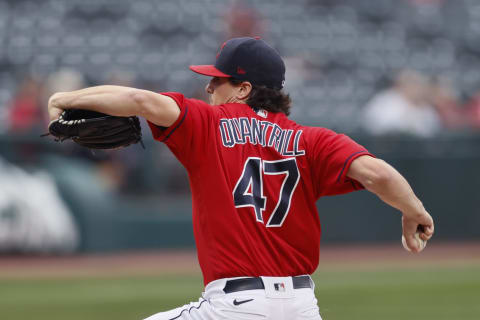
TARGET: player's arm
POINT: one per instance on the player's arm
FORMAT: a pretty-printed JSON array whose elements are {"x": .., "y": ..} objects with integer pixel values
[
  {"x": 117, "y": 101},
  {"x": 388, "y": 184}
]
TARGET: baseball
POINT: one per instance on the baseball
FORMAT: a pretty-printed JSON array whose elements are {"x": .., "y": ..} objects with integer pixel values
[{"x": 421, "y": 243}]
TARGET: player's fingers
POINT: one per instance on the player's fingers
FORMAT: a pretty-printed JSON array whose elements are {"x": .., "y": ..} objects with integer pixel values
[
  {"x": 431, "y": 229},
  {"x": 409, "y": 226},
  {"x": 428, "y": 232},
  {"x": 412, "y": 243},
  {"x": 424, "y": 225},
  {"x": 54, "y": 113},
  {"x": 424, "y": 236},
  {"x": 428, "y": 227}
]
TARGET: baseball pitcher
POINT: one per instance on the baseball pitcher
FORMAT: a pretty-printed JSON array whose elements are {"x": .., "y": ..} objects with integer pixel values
[{"x": 255, "y": 177}]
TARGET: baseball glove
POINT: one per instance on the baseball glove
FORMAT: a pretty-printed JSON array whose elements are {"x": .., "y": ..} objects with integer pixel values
[{"x": 96, "y": 130}]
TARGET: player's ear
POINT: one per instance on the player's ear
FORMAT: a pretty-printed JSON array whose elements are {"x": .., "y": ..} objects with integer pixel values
[{"x": 243, "y": 90}]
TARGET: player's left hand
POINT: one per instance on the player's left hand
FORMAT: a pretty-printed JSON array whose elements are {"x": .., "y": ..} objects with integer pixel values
[
  {"x": 421, "y": 221},
  {"x": 54, "y": 111}
]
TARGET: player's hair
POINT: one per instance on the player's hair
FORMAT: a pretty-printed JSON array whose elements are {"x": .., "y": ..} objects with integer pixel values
[{"x": 272, "y": 100}]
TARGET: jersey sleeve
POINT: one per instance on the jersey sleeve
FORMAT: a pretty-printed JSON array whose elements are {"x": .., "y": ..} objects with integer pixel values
[
  {"x": 330, "y": 155},
  {"x": 188, "y": 137}
]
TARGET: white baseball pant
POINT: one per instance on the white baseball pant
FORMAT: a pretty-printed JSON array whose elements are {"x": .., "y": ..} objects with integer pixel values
[{"x": 283, "y": 298}]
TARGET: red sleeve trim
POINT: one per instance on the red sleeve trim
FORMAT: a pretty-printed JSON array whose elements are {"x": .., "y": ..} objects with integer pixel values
[
  {"x": 176, "y": 124},
  {"x": 349, "y": 161}
]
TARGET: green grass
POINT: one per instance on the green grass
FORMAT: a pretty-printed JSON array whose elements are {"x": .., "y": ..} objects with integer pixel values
[
  {"x": 441, "y": 293},
  {"x": 435, "y": 294},
  {"x": 94, "y": 298}
]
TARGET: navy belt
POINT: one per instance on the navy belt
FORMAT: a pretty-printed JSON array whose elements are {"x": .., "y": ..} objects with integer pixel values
[{"x": 299, "y": 282}]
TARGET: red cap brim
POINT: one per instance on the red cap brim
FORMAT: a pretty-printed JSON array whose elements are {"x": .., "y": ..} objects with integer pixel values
[{"x": 209, "y": 70}]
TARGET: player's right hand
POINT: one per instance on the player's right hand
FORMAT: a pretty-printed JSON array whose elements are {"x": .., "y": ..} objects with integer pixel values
[{"x": 421, "y": 221}]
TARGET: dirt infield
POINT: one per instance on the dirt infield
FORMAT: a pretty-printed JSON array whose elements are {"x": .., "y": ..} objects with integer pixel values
[{"x": 185, "y": 261}]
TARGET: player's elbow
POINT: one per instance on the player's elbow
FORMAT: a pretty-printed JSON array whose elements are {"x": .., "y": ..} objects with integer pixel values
[
  {"x": 377, "y": 178},
  {"x": 144, "y": 106},
  {"x": 140, "y": 102},
  {"x": 372, "y": 173},
  {"x": 155, "y": 107}
]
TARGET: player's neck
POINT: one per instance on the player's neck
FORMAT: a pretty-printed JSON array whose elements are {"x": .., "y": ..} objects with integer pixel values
[{"x": 236, "y": 100}]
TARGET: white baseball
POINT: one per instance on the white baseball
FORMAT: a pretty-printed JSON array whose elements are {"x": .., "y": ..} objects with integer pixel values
[{"x": 420, "y": 242}]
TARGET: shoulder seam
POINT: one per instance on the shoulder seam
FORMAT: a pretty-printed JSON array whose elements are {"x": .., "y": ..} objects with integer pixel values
[
  {"x": 178, "y": 125},
  {"x": 346, "y": 161}
]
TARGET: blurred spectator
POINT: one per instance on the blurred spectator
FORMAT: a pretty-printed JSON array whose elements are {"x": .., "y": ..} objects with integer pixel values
[
  {"x": 473, "y": 111},
  {"x": 120, "y": 78},
  {"x": 64, "y": 80},
  {"x": 426, "y": 2},
  {"x": 25, "y": 113},
  {"x": 445, "y": 100},
  {"x": 243, "y": 20},
  {"x": 403, "y": 109}
]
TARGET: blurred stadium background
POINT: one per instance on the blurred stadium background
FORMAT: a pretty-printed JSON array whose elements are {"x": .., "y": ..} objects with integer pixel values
[{"x": 400, "y": 76}]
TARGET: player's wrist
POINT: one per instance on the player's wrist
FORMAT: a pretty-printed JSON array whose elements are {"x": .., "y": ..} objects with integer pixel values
[{"x": 414, "y": 207}]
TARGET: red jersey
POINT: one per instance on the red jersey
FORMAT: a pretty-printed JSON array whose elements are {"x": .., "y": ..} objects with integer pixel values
[{"x": 255, "y": 178}]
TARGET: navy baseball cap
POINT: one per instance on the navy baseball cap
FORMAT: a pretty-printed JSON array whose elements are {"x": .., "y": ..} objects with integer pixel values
[{"x": 247, "y": 59}]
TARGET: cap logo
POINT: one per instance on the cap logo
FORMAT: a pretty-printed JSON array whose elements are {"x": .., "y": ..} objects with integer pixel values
[
  {"x": 241, "y": 71},
  {"x": 221, "y": 48}
]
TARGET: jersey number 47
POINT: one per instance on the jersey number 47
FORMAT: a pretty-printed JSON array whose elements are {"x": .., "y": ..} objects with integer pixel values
[{"x": 248, "y": 191}]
